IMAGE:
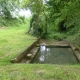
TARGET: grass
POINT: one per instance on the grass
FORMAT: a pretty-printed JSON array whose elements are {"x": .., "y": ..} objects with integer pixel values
[
  {"x": 39, "y": 72},
  {"x": 12, "y": 41}
]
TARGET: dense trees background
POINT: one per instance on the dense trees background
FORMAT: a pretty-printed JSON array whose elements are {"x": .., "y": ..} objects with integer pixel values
[
  {"x": 9, "y": 16},
  {"x": 56, "y": 18},
  {"x": 61, "y": 16}
]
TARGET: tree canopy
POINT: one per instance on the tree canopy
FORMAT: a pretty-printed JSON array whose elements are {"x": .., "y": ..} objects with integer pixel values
[{"x": 56, "y": 15}]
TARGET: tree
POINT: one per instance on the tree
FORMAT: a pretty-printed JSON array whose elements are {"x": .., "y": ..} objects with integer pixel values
[
  {"x": 7, "y": 7},
  {"x": 63, "y": 11},
  {"x": 38, "y": 8}
]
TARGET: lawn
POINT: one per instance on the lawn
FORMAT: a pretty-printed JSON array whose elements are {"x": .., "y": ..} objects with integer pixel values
[{"x": 12, "y": 41}]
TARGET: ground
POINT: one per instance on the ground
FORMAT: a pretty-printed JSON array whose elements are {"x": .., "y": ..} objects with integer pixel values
[{"x": 12, "y": 41}]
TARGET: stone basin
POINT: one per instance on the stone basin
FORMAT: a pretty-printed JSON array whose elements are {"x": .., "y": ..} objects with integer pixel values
[{"x": 29, "y": 54}]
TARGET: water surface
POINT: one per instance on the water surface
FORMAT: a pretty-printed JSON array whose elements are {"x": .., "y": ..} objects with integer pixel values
[{"x": 55, "y": 55}]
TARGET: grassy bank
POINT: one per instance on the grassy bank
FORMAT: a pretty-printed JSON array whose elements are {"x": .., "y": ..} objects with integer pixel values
[
  {"x": 39, "y": 72},
  {"x": 12, "y": 41}
]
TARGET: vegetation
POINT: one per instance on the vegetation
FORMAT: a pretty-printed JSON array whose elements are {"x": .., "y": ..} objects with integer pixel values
[
  {"x": 58, "y": 19},
  {"x": 55, "y": 17},
  {"x": 39, "y": 72},
  {"x": 12, "y": 42}
]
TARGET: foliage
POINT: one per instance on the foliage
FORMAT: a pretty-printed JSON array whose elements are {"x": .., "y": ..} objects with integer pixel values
[
  {"x": 38, "y": 8},
  {"x": 56, "y": 36},
  {"x": 13, "y": 40},
  {"x": 12, "y": 22},
  {"x": 6, "y": 8},
  {"x": 68, "y": 11},
  {"x": 53, "y": 15}
]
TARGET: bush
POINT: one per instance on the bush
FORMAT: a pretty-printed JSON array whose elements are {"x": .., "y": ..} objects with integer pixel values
[
  {"x": 12, "y": 22},
  {"x": 56, "y": 36}
]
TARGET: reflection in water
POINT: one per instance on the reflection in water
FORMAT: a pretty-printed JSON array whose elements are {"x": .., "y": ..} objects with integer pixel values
[
  {"x": 48, "y": 51},
  {"x": 42, "y": 48},
  {"x": 55, "y": 55},
  {"x": 44, "y": 52},
  {"x": 41, "y": 58}
]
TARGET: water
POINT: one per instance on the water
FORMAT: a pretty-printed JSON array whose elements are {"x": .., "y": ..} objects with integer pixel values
[{"x": 55, "y": 55}]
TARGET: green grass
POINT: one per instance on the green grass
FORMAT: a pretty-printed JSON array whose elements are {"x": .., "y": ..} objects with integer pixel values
[
  {"x": 39, "y": 72},
  {"x": 12, "y": 41}
]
